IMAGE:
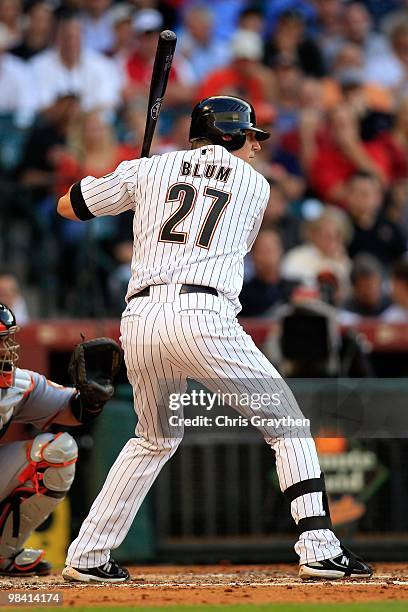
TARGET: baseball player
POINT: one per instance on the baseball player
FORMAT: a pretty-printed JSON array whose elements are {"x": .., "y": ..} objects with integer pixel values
[
  {"x": 196, "y": 215},
  {"x": 37, "y": 474}
]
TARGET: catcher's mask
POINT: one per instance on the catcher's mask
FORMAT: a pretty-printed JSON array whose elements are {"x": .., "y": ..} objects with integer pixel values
[
  {"x": 216, "y": 117},
  {"x": 8, "y": 347}
]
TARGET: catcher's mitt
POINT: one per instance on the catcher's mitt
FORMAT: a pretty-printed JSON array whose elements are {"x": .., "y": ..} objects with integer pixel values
[{"x": 92, "y": 369}]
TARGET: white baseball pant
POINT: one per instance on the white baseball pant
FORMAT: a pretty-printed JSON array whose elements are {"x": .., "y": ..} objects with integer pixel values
[{"x": 169, "y": 337}]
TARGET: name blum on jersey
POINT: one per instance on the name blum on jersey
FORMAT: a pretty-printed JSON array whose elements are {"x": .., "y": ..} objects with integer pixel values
[{"x": 219, "y": 173}]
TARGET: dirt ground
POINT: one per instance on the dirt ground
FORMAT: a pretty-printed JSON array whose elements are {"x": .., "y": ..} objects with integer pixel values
[{"x": 220, "y": 584}]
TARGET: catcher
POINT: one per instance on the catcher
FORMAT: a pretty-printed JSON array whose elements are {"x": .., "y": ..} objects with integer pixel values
[{"x": 36, "y": 474}]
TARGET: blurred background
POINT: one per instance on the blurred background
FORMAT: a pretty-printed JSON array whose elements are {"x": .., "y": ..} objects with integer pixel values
[{"x": 326, "y": 285}]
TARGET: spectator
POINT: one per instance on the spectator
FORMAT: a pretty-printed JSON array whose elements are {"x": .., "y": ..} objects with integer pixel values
[
  {"x": 359, "y": 28},
  {"x": 97, "y": 28},
  {"x": 11, "y": 295},
  {"x": 11, "y": 17},
  {"x": 265, "y": 290},
  {"x": 399, "y": 37},
  {"x": 37, "y": 169},
  {"x": 251, "y": 18},
  {"x": 147, "y": 25},
  {"x": 228, "y": 12},
  {"x": 278, "y": 216},
  {"x": 92, "y": 150},
  {"x": 274, "y": 10},
  {"x": 324, "y": 251},
  {"x": 122, "y": 17},
  {"x": 368, "y": 298},
  {"x": 303, "y": 140},
  {"x": 68, "y": 67},
  {"x": 38, "y": 31},
  {"x": 390, "y": 70},
  {"x": 280, "y": 165},
  {"x": 398, "y": 311},
  {"x": 289, "y": 39},
  {"x": 373, "y": 232},
  {"x": 329, "y": 29},
  {"x": 178, "y": 137},
  {"x": 119, "y": 279},
  {"x": 395, "y": 17},
  {"x": 349, "y": 80},
  {"x": 245, "y": 76},
  {"x": 16, "y": 95},
  {"x": 397, "y": 204},
  {"x": 340, "y": 152},
  {"x": 198, "y": 45},
  {"x": 288, "y": 84},
  {"x": 395, "y": 141}
]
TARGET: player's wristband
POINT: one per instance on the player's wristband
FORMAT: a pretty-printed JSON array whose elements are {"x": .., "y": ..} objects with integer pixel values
[{"x": 78, "y": 203}]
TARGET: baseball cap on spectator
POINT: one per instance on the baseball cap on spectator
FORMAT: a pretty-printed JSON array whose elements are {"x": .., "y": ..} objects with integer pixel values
[
  {"x": 247, "y": 45},
  {"x": 6, "y": 39},
  {"x": 147, "y": 20},
  {"x": 121, "y": 13}
]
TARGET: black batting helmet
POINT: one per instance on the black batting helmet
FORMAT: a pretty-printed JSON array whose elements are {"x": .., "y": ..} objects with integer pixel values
[
  {"x": 219, "y": 116},
  {"x": 8, "y": 346}
]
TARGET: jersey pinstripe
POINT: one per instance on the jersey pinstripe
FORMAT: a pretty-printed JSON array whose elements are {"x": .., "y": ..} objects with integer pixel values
[{"x": 206, "y": 244}]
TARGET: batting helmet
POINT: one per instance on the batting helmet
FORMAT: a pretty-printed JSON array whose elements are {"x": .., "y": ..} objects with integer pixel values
[
  {"x": 219, "y": 116},
  {"x": 8, "y": 346}
]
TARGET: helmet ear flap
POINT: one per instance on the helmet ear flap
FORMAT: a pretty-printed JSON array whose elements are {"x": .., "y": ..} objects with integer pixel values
[{"x": 232, "y": 142}]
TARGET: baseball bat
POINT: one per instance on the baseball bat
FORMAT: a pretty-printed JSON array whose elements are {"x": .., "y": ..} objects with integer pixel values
[{"x": 160, "y": 75}]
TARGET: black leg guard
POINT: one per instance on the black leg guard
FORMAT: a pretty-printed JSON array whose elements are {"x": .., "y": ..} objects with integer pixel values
[{"x": 312, "y": 485}]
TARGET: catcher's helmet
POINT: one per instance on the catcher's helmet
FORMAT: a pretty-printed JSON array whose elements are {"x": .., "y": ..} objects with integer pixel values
[
  {"x": 8, "y": 346},
  {"x": 219, "y": 116}
]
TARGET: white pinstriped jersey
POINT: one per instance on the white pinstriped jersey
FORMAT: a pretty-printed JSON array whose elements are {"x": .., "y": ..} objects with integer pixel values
[{"x": 196, "y": 215}]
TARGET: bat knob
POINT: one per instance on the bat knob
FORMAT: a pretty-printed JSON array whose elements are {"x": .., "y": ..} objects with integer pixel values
[{"x": 168, "y": 35}]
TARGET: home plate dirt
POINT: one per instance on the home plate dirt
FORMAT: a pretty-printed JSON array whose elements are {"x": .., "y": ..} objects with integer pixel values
[{"x": 220, "y": 584}]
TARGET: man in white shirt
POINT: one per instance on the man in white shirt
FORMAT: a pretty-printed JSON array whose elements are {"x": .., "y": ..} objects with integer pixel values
[
  {"x": 97, "y": 25},
  {"x": 68, "y": 67},
  {"x": 15, "y": 88}
]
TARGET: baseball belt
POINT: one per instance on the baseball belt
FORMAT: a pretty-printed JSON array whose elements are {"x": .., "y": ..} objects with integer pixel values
[{"x": 184, "y": 289}]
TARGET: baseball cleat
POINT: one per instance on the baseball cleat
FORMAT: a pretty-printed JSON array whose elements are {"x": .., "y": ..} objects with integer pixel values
[
  {"x": 110, "y": 571},
  {"x": 346, "y": 565},
  {"x": 27, "y": 562}
]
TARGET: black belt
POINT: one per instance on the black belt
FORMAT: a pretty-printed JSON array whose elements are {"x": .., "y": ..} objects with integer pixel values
[{"x": 184, "y": 289}]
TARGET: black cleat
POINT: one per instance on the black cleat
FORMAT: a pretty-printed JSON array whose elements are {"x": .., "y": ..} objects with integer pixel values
[
  {"x": 346, "y": 565},
  {"x": 27, "y": 562},
  {"x": 111, "y": 571}
]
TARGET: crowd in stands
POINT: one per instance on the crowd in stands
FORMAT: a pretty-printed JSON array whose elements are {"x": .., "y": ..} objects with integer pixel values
[{"x": 327, "y": 78}]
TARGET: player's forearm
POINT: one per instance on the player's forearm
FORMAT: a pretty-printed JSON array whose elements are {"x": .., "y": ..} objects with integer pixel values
[
  {"x": 64, "y": 207},
  {"x": 66, "y": 417}
]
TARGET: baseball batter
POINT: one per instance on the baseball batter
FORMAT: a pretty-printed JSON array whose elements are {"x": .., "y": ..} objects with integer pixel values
[
  {"x": 36, "y": 474},
  {"x": 196, "y": 215}
]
